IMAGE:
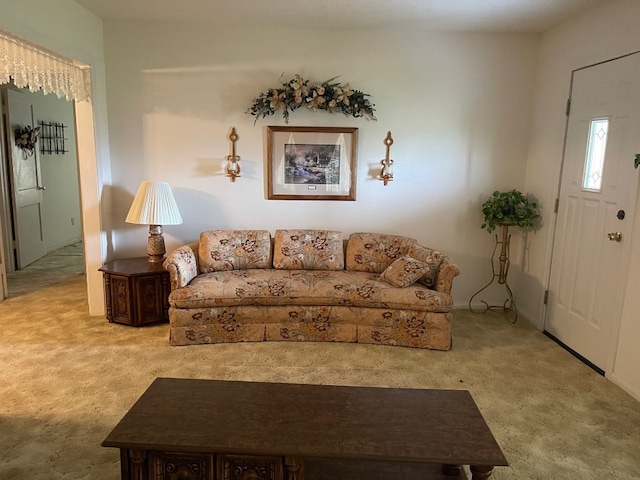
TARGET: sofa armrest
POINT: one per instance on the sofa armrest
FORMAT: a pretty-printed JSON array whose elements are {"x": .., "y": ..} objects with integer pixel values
[
  {"x": 446, "y": 273},
  {"x": 182, "y": 265}
]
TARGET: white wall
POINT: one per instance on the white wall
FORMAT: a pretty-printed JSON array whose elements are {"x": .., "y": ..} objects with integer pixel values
[
  {"x": 458, "y": 106},
  {"x": 70, "y": 30},
  {"x": 602, "y": 34},
  {"x": 61, "y": 199}
]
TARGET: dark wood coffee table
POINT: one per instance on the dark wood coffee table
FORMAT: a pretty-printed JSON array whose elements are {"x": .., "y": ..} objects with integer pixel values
[{"x": 185, "y": 429}]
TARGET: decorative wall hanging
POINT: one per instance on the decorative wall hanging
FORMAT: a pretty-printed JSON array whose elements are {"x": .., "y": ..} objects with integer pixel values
[
  {"x": 298, "y": 92},
  {"x": 311, "y": 163},
  {"x": 26, "y": 138},
  {"x": 52, "y": 138},
  {"x": 233, "y": 161},
  {"x": 636, "y": 161},
  {"x": 386, "y": 172}
]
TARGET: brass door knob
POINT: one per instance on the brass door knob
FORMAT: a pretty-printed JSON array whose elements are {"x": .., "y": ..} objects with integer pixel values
[{"x": 615, "y": 236}]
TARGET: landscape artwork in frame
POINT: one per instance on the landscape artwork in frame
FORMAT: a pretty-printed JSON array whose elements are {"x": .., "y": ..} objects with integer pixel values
[{"x": 311, "y": 163}]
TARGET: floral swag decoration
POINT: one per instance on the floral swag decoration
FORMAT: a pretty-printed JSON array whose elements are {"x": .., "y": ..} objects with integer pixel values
[
  {"x": 26, "y": 138},
  {"x": 298, "y": 92}
]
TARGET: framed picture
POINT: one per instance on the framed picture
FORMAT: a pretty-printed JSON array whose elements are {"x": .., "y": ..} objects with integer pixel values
[{"x": 311, "y": 163}]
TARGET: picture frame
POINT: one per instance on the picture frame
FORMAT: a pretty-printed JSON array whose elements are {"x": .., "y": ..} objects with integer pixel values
[{"x": 311, "y": 163}]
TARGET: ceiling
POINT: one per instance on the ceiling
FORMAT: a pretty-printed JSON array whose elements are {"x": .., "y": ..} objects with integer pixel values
[{"x": 517, "y": 16}]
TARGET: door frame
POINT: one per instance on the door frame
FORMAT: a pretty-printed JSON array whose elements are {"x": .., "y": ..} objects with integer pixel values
[
  {"x": 90, "y": 177},
  {"x": 6, "y": 237},
  {"x": 616, "y": 324},
  {"x": 4, "y": 208}
]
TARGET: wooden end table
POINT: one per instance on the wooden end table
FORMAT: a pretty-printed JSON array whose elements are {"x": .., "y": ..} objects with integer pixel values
[
  {"x": 136, "y": 291},
  {"x": 220, "y": 430}
]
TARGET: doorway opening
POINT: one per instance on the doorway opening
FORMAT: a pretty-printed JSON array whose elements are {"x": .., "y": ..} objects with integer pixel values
[
  {"x": 75, "y": 81},
  {"x": 41, "y": 213}
]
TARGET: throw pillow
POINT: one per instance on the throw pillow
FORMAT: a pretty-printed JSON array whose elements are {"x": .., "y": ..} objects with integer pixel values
[
  {"x": 404, "y": 271},
  {"x": 432, "y": 258}
]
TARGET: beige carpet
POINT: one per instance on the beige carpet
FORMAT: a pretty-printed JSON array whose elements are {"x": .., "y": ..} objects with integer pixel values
[{"x": 67, "y": 378}]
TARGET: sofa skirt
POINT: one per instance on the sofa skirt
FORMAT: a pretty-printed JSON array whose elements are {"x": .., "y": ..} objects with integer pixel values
[{"x": 407, "y": 328}]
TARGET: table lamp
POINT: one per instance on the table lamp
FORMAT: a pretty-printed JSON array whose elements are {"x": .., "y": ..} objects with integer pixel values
[{"x": 155, "y": 206}]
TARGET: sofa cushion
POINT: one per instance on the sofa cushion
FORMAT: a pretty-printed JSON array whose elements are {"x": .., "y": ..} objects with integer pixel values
[
  {"x": 432, "y": 258},
  {"x": 308, "y": 250},
  {"x": 404, "y": 271},
  {"x": 374, "y": 252},
  {"x": 234, "y": 250},
  {"x": 305, "y": 287}
]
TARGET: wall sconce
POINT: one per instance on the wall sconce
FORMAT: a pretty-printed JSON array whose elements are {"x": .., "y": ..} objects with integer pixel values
[
  {"x": 154, "y": 205},
  {"x": 233, "y": 160},
  {"x": 386, "y": 172}
]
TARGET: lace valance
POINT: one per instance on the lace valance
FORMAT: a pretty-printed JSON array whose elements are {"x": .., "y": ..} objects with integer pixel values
[{"x": 40, "y": 69}]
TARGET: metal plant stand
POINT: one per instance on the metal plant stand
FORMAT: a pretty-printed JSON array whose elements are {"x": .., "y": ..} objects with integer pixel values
[{"x": 509, "y": 305}]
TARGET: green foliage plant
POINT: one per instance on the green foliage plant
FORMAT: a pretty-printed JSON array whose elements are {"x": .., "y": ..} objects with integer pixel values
[{"x": 510, "y": 208}]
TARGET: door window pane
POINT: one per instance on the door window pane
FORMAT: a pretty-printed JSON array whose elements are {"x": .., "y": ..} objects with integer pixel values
[{"x": 596, "y": 150}]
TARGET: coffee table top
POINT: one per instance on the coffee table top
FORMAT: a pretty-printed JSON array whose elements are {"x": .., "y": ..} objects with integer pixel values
[{"x": 253, "y": 418}]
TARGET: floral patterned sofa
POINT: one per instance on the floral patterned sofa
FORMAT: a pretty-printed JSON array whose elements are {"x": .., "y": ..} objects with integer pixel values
[{"x": 310, "y": 285}]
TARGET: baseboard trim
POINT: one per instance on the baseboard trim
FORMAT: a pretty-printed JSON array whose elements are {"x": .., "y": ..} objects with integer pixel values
[
  {"x": 625, "y": 385},
  {"x": 462, "y": 306},
  {"x": 479, "y": 308},
  {"x": 71, "y": 241},
  {"x": 589, "y": 364}
]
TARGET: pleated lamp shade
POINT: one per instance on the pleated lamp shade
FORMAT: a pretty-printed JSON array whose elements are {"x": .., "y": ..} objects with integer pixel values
[{"x": 154, "y": 205}]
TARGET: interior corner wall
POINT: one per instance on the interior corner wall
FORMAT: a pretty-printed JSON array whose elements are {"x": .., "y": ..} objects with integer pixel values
[
  {"x": 599, "y": 35},
  {"x": 67, "y": 28},
  {"x": 458, "y": 106}
]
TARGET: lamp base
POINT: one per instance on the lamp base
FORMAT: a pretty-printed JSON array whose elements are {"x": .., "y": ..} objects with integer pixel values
[{"x": 155, "y": 244}]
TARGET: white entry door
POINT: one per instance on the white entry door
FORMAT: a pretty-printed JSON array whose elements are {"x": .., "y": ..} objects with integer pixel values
[
  {"x": 596, "y": 209},
  {"x": 26, "y": 184}
]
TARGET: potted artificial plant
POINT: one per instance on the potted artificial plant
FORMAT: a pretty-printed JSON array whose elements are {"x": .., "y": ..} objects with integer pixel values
[
  {"x": 510, "y": 208},
  {"x": 505, "y": 209}
]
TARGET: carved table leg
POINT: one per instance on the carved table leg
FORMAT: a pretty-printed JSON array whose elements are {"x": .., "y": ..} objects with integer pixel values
[
  {"x": 452, "y": 470},
  {"x": 294, "y": 468},
  {"x": 481, "y": 472},
  {"x": 138, "y": 460}
]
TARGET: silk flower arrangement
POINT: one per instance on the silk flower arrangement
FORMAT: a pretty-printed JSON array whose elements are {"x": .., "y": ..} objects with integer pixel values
[{"x": 298, "y": 92}]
